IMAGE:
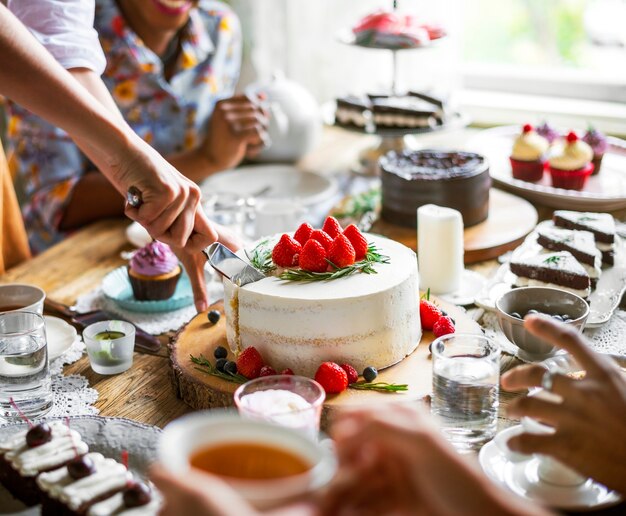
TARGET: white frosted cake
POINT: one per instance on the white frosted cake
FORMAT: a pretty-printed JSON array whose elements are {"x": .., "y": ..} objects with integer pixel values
[{"x": 361, "y": 319}]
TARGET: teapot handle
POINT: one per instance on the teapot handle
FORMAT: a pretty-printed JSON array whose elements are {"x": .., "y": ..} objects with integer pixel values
[{"x": 279, "y": 117}]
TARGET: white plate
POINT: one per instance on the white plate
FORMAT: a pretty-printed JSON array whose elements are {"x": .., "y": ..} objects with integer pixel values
[
  {"x": 603, "y": 192},
  {"x": 603, "y": 301},
  {"x": 284, "y": 181},
  {"x": 519, "y": 475},
  {"x": 138, "y": 235},
  {"x": 471, "y": 284},
  {"x": 60, "y": 336}
]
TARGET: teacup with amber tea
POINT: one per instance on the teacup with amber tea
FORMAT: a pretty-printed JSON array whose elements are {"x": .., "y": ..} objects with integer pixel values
[{"x": 267, "y": 464}]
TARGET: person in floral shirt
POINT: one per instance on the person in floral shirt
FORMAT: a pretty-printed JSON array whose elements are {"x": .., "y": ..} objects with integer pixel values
[{"x": 172, "y": 72}]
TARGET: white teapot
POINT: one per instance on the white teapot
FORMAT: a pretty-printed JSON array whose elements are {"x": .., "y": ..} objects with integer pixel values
[{"x": 295, "y": 120}]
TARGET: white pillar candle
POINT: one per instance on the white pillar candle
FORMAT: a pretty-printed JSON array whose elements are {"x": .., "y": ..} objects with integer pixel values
[{"x": 439, "y": 248}]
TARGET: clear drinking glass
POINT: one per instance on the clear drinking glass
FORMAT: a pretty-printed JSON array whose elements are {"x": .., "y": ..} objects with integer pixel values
[
  {"x": 227, "y": 209},
  {"x": 110, "y": 346},
  {"x": 291, "y": 401},
  {"x": 466, "y": 376},
  {"x": 24, "y": 373}
]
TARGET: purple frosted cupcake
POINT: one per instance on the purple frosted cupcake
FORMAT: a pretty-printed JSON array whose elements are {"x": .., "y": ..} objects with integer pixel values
[
  {"x": 548, "y": 132},
  {"x": 598, "y": 143},
  {"x": 154, "y": 272}
]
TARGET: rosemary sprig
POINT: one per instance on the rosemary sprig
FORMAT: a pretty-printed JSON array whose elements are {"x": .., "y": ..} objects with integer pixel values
[
  {"x": 261, "y": 257},
  {"x": 379, "y": 386},
  {"x": 359, "y": 204},
  {"x": 366, "y": 266},
  {"x": 207, "y": 367},
  {"x": 554, "y": 260}
]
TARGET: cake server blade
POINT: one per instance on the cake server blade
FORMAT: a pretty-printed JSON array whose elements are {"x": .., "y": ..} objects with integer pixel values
[{"x": 228, "y": 264}]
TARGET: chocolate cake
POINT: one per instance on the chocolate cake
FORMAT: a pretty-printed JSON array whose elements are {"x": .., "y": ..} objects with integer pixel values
[
  {"x": 407, "y": 112},
  {"x": 581, "y": 244},
  {"x": 602, "y": 225},
  {"x": 353, "y": 111},
  {"x": 559, "y": 270},
  {"x": 452, "y": 179}
]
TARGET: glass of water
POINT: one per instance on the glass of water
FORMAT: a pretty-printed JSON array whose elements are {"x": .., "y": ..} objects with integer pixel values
[
  {"x": 466, "y": 376},
  {"x": 229, "y": 210},
  {"x": 24, "y": 374}
]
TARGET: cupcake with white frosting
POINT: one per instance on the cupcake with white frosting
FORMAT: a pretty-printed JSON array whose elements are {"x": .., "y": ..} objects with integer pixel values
[
  {"x": 570, "y": 164},
  {"x": 528, "y": 156}
]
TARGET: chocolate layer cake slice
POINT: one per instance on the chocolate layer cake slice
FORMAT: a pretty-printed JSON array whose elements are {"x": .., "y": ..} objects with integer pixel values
[
  {"x": 403, "y": 112},
  {"x": 581, "y": 244},
  {"x": 602, "y": 225},
  {"x": 558, "y": 270},
  {"x": 353, "y": 111}
]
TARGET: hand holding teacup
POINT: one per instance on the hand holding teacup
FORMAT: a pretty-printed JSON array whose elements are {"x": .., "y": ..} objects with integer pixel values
[{"x": 589, "y": 422}]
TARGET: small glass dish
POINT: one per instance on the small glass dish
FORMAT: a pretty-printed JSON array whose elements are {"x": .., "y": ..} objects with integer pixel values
[{"x": 110, "y": 346}]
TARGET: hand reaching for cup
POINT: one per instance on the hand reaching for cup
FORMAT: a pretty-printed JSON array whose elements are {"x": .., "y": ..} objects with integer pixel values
[{"x": 589, "y": 422}]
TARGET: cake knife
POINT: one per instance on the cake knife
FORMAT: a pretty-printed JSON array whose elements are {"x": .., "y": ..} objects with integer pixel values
[{"x": 228, "y": 264}]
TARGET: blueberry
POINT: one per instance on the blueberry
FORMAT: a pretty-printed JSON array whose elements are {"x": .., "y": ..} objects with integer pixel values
[
  {"x": 214, "y": 316},
  {"x": 230, "y": 367},
  {"x": 137, "y": 494},
  {"x": 220, "y": 352},
  {"x": 80, "y": 467},
  {"x": 220, "y": 364},
  {"x": 557, "y": 317},
  {"x": 370, "y": 374},
  {"x": 566, "y": 318},
  {"x": 516, "y": 315},
  {"x": 38, "y": 435},
  {"x": 532, "y": 312}
]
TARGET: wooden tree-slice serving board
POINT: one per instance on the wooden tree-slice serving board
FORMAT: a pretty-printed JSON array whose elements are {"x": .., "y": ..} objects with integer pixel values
[
  {"x": 510, "y": 220},
  {"x": 203, "y": 391}
]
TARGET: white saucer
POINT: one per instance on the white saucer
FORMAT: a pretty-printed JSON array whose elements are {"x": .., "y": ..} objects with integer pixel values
[
  {"x": 471, "y": 284},
  {"x": 518, "y": 473},
  {"x": 60, "y": 336}
]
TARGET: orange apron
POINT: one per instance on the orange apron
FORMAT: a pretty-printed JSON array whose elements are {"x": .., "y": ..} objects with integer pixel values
[{"x": 13, "y": 240}]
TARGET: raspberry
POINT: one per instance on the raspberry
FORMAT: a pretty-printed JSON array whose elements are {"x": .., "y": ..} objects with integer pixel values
[
  {"x": 443, "y": 326},
  {"x": 267, "y": 371},
  {"x": 357, "y": 240},
  {"x": 571, "y": 137},
  {"x": 429, "y": 314},
  {"x": 332, "y": 227},
  {"x": 341, "y": 252},
  {"x": 527, "y": 128},
  {"x": 303, "y": 233},
  {"x": 286, "y": 252},
  {"x": 323, "y": 238},
  {"x": 313, "y": 257},
  {"x": 250, "y": 362},
  {"x": 353, "y": 376},
  {"x": 287, "y": 371},
  {"x": 332, "y": 377}
]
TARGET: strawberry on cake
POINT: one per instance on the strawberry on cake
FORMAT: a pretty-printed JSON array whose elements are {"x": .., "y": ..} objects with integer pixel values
[{"x": 330, "y": 295}]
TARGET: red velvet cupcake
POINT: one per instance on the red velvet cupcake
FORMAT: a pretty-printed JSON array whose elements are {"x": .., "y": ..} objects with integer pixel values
[
  {"x": 528, "y": 155},
  {"x": 570, "y": 165}
]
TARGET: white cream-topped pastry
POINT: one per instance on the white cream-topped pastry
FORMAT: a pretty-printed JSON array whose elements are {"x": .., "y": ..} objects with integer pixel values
[
  {"x": 108, "y": 476},
  {"x": 529, "y": 145},
  {"x": 361, "y": 319},
  {"x": 29, "y": 461}
]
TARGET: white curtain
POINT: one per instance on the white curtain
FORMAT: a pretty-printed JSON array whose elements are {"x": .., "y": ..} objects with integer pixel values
[{"x": 299, "y": 37}]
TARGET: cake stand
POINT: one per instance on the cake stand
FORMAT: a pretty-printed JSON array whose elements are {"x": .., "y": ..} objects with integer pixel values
[
  {"x": 203, "y": 391},
  {"x": 390, "y": 138}
]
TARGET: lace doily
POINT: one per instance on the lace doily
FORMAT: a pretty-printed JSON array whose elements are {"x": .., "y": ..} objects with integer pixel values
[
  {"x": 608, "y": 338},
  {"x": 154, "y": 323}
]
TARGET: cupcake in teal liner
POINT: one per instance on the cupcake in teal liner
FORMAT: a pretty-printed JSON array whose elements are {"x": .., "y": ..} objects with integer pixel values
[
  {"x": 599, "y": 144},
  {"x": 154, "y": 272}
]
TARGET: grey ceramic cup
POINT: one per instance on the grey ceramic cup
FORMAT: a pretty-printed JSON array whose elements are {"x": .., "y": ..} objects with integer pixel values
[{"x": 545, "y": 300}]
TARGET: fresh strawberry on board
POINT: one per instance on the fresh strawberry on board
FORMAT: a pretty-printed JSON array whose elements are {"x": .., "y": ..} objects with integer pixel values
[
  {"x": 443, "y": 326},
  {"x": 429, "y": 314},
  {"x": 267, "y": 371},
  {"x": 250, "y": 363},
  {"x": 332, "y": 377},
  {"x": 287, "y": 372},
  {"x": 332, "y": 227},
  {"x": 357, "y": 240},
  {"x": 303, "y": 233},
  {"x": 341, "y": 252},
  {"x": 313, "y": 257},
  {"x": 323, "y": 238},
  {"x": 353, "y": 376},
  {"x": 286, "y": 252}
]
